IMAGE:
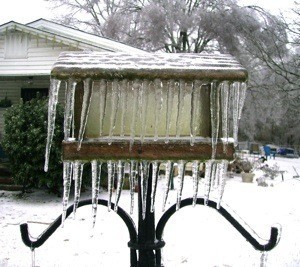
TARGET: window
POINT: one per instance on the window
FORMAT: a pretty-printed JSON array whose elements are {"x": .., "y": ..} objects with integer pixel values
[
  {"x": 16, "y": 45},
  {"x": 29, "y": 93}
]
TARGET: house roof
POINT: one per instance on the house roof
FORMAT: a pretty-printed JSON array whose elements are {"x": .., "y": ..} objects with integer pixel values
[{"x": 66, "y": 35}]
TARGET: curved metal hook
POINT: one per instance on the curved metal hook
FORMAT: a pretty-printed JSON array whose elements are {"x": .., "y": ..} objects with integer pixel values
[
  {"x": 53, "y": 227},
  {"x": 200, "y": 201}
]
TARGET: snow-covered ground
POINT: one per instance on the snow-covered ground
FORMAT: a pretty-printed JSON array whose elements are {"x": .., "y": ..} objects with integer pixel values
[{"x": 194, "y": 236}]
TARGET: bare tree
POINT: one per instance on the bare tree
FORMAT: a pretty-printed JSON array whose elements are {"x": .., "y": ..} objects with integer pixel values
[{"x": 266, "y": 45}]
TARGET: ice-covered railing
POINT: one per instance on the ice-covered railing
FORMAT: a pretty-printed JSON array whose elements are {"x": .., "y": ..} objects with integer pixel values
[{"x": 130, "y": 111}]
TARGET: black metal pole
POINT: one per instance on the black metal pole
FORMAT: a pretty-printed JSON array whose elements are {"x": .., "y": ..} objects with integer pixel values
[
  {"x": 146, "y": 226},
  {"x": 148, "y": 240}
]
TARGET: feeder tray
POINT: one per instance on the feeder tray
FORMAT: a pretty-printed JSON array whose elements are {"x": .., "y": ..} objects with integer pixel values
[{"x": 155, "y": 106}]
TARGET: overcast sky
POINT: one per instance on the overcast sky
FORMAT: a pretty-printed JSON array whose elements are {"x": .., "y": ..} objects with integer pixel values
[{"x": 24, "y": 11}]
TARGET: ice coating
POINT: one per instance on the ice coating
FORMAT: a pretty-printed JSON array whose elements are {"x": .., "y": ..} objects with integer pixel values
[
  {"x": 132, "y": 183},
  {"x": 155, "y": 170},
  {"x": 147, "y": 66},
  {"x": 215, "y": 179},
  {"x": 180, "y": 106},
  {"x": 215, "y": 116},
  {"x": 110, "y": 181},
  {"x": 96, "y": 176},
  {"x": 221, "y": 178},
  {"x": 169, "y": 103},
  {"x": 158, "y": 106},
  {"x": 53, "y": 99},
  {"x": 144, "y": 171},
  {"x": 123, "y": 107},
  {"x": 87, "y": 85},
  {"x": 33, "y": 257},
  {"x": 224, "y": 113},
  {"x": 208, "y": 179},
  {"x": 135, "y": 89},
  {"x": 141, "y": 111},
  {"x": 238, "y": 94},
  {"x": 115, "y": 99},
  {"x": 77, "y": 175},
  {"x": 102, "y": 104},
  {"x": 148, "y": 98},
  {"x": 120, "y": 183},
  {"x": 143, "y": 107},
  {"x": 263, "y": 259},
  {"x": 195, "y": 175},
  {"x": 69, "y": 110},
  {"x": 181, "y": 173},
  {"x": 242, "y": 97},
  {"x": 213, "y": 187},
  {"x": 169, "y": 176},
  {"x": 67, "y": 178},
  {"x": 195, "y": 99}
]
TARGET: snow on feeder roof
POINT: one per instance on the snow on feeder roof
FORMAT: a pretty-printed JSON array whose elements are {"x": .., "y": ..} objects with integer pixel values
[
  {"x": 98, "y": 65},
  {"x": 147, "y": 110}
]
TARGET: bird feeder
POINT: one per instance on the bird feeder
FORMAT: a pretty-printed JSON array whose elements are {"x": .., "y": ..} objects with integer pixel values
[{"x": 146, "y": 111}]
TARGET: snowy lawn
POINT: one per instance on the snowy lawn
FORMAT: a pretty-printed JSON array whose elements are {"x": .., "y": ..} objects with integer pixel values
[{"x": 196, "y": 236}]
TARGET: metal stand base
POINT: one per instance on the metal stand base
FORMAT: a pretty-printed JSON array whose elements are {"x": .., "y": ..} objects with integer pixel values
[{"x": 147, "y": 241}]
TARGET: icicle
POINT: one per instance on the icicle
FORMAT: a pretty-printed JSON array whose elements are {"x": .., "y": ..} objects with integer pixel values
[
  {"x": 155, "y": 169},
  {"x": 222, "y": 171},
  {"x": 144, "y": 95},
  {"x": 195, "y": 175},
  {"x": 215, "y": 177},
  {"x": 235, "y": 110},
  {"x": 195, "y": 100},
  {"x": 215, "y": 114},
  {"x": 110, "y": 178},
  {"x": 181, "y": 172},
  {"x": 180, "y": 106},
  {"x": 77, "y": 174},
  {"x": 69, "y": 109},
  {"x": 32, "y": 257},
  {"x": 170, "y": 97},
  {"x": 169, "y": 176},
  {"x": 135, "y": 88},
  {"x": 87, "y": 94},
  {"x": 120, "y": 183},
  {"x": 158, "y": 106},
  {"x": 263, "y": 259},
  {"x": 224, "y": 111},
  {"x": 242, "y": 95},
  {"x": 208, "y": 179},
  {"x": 132, "y": 177},
  {"x": 96, "y": 176},
  {"x": 53, "y": 99},
  {"x": 144, "y": 173},
  {"x": 114, "y": 108},
  {"x": 102, "y": 104},
  {"x": 124, "y": 94},
  {"x": 67, "y": 177}
]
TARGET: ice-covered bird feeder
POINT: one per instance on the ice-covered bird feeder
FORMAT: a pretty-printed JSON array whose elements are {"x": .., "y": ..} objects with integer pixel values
[{"x": 146, "y": 112}]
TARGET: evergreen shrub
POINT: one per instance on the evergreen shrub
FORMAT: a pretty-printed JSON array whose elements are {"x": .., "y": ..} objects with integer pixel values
[{"x": 24, "y": 142}]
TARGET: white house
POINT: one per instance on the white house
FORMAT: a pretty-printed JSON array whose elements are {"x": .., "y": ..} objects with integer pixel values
[{"x": 28, "y": 51}]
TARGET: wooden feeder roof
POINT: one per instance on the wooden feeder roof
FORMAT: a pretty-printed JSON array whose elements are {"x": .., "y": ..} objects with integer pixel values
[{"x": 108, "y": 65}]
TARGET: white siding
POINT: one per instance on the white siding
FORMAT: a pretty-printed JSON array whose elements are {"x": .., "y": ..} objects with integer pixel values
[
  {"x": 16, "y": 45},
  {"x": 41, "y": 55}
]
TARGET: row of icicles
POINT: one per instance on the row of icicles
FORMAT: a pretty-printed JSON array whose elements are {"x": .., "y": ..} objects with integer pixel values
[
  {"x": 225, "y": 107},
  {"x": 224, "y": 97},
  {"x": 214, "y": 180}
]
